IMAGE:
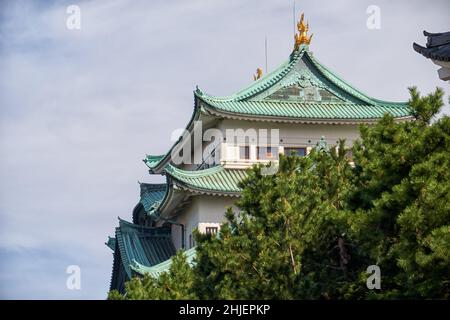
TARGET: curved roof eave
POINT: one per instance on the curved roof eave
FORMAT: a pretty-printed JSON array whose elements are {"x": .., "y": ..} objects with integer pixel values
[
  {"x": 130, "y": 246},
  {"x": 164, "y": 266},
  {"x": 347, "y": 87},
  {"x": 151, "y": 195},
  {"x": 213, "y": 181},
  {"x": 275, "y": 76},
  {"x": 219, "y": 112},
  {"x": 167, "y": 197},
  {"x": 156, "y": 163},
  {"x": 173, "y": 176}
]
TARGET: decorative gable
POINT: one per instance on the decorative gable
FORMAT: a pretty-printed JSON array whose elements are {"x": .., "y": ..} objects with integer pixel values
[
  {"x": 308, "y": 93},
  {"x": 303, "y": 86}
]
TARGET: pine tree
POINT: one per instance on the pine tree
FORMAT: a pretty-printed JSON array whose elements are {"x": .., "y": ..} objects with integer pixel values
[
  {"x": 312, "y": 229},
  {"x": 176, "y": 284},
  {"x": 401, "y": 196}
]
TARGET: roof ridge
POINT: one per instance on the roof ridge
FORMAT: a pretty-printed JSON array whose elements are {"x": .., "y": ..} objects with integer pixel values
[
  {"x": 138, "y": 227},
  {"x": 261, "y": 84},
  {"x": 307, "y": 110},
  {"x": 350, "y": 88},
  {"x": 276, "y": 75},
  {"x": 151, "y": 187}
]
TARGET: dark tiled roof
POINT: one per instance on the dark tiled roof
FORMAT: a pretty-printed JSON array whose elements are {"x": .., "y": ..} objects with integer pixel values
[
  {"x": 111, "y": 243},
  {"x": 147, "y": 246},
  {"x": 151, "y": 195},
  {"x": 437, "y": 47},
  {"x": 164, "y": 266}
]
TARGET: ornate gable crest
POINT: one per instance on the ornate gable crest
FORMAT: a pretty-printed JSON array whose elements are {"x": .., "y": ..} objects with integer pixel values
[
  {"x": 302, "y": 78},
  {"x": 302, "y": 85}
]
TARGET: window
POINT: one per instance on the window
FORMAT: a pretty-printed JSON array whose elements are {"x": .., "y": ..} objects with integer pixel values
[
  {"x": 212, "y": 230},
  {"x": 191, "y": 241},
  {"x": 267, "y": 153},
  {"x": 244, "y": 152},
  {"x": 300, "y": 152}
]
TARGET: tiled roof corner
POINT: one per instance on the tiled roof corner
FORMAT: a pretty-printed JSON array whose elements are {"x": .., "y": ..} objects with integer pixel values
[
  {"x": 156, "y": 270},
  {"x": 212, "y": 180},
  {"x": 151, "y": 196},
  {"x": 148, "y": 246}
]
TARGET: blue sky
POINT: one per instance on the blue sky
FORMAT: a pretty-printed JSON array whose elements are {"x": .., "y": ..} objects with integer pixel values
[{"x": 79, "y": 109}]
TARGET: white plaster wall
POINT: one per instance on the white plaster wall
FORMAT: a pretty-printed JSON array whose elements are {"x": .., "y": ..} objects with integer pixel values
[
  {"x": 211, "y": 209},
  {"x": 203, "y": 209},
  {"x": 291, "y": 135},
  {"x": 189, "y": 217}
]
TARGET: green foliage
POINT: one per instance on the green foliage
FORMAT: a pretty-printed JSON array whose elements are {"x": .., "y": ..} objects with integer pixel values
[
  {"x": 425, "y": 108},
  {"x": 274, "y": 247},
  {"x": 401, "y": 196},
  {"x": 176, "y": 284},
  {"x": 311, "y": 230}
]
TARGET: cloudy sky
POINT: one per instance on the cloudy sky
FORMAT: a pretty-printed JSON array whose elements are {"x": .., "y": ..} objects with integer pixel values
[{"x": 79, "y": 109}]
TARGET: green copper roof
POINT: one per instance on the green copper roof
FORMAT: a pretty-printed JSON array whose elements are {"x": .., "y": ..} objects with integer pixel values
[
  {"x": 156, "y": 163},
  {"x": 153, "y": 161},
  {"x": 147, "y": 246},
  {"x": 111, "y": 243},
  {"x": 300, "y": 89},
  {"x": 308, "y": 110},
  {"x": 303, "y": 88},
  {"x": 152, "y": 195},
  {"x": 213, "y": 180},
  {"x": 164, "y": 266},
  {"x": 341, "y": 83}
]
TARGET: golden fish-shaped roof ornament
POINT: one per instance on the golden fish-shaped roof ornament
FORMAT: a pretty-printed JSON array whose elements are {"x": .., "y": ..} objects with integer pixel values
[
  {"x": 302, "y": 36},
  {"x": 258, "y": 75}
]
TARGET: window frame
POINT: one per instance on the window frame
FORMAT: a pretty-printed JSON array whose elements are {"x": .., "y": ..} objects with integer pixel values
[
  {"x": 211, "y": 230},
  {"x": 275, "y": 151},
  {"x": 191, "y": 241},
  {"x": 296, "y": 147},
  {"x": 246, "y": 152}
]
